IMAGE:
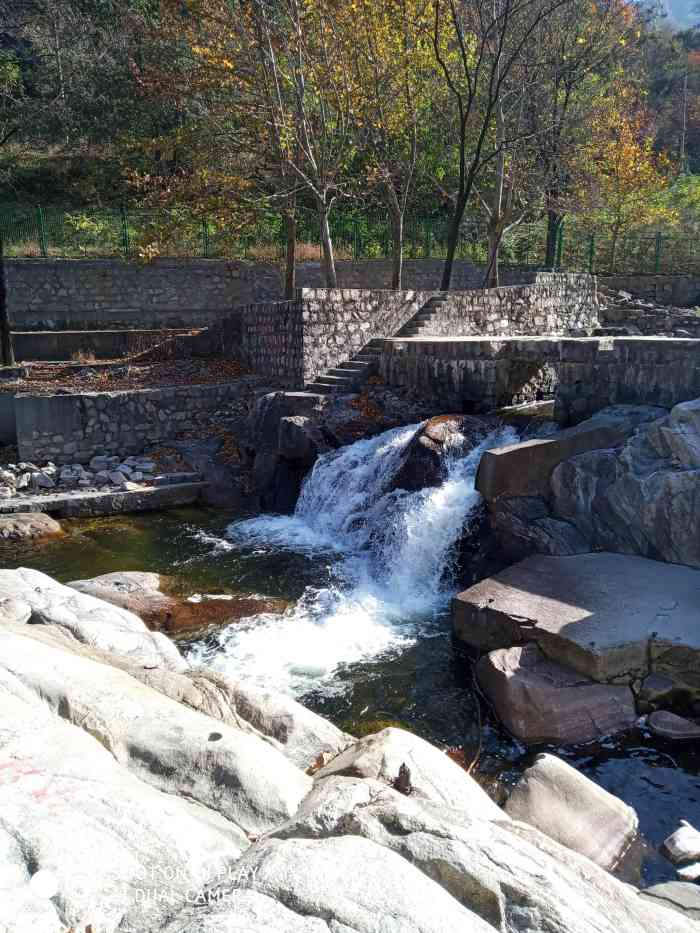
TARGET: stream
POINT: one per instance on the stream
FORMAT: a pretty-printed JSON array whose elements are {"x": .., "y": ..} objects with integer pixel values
[{"x": 366, "y": 573}]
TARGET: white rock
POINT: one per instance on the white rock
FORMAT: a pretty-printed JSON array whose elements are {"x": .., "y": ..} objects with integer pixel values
[
  {"x": 23, "y": 480},
  {"x": 162, "y": 742},
  {"x": 434, "y": 776},
  {"x": 689, "y": 872},
  {"x": 684, "y": 844},
  {"x": 355, "y": 885},
  {"x": 510, "y": 874},
  {"x": 569, "y": 808},
  {"x": 7, "y": 478},
  {"x": 123, "y": 855},
  {"x": 88, "y": 619}
]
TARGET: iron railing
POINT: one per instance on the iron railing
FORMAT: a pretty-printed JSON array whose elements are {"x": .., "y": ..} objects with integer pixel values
[{"x": 41, "y": 232}]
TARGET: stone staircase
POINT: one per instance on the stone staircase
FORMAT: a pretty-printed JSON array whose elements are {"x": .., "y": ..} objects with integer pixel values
[{"x": 350, "y": 376}]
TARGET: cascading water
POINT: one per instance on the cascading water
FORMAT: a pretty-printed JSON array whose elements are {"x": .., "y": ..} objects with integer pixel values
[{"x": 392, "y": 554}]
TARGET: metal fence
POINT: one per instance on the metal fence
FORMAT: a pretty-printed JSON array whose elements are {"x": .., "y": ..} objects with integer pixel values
[{"x": 101, "y": 232}]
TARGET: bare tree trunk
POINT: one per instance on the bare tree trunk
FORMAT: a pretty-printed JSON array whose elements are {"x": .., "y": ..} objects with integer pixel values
[
  {"x": 397, "y": 245},
  {"x": 452, "y": 244},
  {"x": 327, "y": 246},
  {"x": 290, "y": 224},
  {"x": 554, "y": 222},
  {"x": 7, "y": 354},
  {"x": 492, "y": 275}
]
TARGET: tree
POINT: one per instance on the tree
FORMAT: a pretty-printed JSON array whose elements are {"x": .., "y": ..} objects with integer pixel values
[
  {"x": 386, "y": 52},
  {"x": 626, "y": 176},
  {"x": 477, "y": 45}
]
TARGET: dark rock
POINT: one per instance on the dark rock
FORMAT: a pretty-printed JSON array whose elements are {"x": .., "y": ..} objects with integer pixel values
[
  {"x": 674, "y": 728},
  {"x": 423, "y": 463},
  {"x": 643, "y": 498},
  {"x": 523, "y": 526},
  {"x": 540, "y": 701}
]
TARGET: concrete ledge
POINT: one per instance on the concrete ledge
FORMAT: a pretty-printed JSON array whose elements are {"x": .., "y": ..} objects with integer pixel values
[{"x": 90, "y": 503}]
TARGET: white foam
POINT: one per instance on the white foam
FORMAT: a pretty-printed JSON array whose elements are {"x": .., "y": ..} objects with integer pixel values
[{"x": 394, "y": 553}]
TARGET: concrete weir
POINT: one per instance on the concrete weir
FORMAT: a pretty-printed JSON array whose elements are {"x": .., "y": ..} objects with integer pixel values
[
  {"x": 94, "y": 502},
  {"x": 585, "y": 374}
]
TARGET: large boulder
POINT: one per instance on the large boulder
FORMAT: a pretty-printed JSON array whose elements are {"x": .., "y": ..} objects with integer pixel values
[
  {"x": 26, "y": 526},
  {"x": 643, "y": 498},
  {"x": 524, "y": 469},
  {"x": 423, "y": 462},
  {"x": 292, "y": 729},
  {"x": 119, "y": 854},
  {"x": 569, "y": 808},
  {"x": 33, "y": 597},
  {"x": 510, "y": 874},
  {"x": 610, "y": 617},
  {"x": 433, "y": 775},
  {"x": 162, "y": 742},
  {"x": 541, "y": 701}
]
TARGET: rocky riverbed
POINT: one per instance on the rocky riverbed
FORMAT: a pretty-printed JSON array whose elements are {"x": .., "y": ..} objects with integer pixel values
[
  {"x": 217, "y": 802},
  {"x": 140, "y": 793}
]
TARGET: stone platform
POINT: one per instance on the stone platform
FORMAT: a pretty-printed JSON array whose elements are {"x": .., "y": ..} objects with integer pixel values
[
  {"x": 79, "y": 503},
  {"x": 611, "y": 617}
]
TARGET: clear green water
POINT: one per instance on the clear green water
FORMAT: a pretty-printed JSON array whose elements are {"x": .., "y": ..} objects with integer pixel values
[{"x": 426, "y": 687}]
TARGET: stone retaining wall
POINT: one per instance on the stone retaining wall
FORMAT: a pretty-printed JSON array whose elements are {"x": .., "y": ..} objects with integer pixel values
[
  {"x": 338, "y": 323},
  {"x": 73, "y": 428},
  {"x": 105, "y": 293},
  {"x": 552, "y": 304},
  {"x": 630, "y": 370},
  {"x": 677, "y": 290}
]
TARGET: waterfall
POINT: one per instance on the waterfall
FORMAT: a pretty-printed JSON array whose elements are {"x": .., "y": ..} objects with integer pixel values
[{"x": 392, "y": 556}]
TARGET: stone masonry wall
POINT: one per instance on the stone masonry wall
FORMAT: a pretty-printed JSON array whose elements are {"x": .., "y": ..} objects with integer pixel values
[
  {"x": 105, "y": 293},
  {"x": 338, "y": 323},
  {"x": 471, "y": 375},
  {"x": 677, "y": 290},
  {"x": 584, "y": 375},
  {"x": 99, "y": 293},
  {"x": 554, "y": 304},
  {"x": 625, "y": 370},
  {"x": 73, "y": 428}
]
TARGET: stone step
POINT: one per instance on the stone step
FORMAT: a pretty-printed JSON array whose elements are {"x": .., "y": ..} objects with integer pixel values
[
  {"x": 328, "y": 379},
  {"x": 356, "y": 365}
]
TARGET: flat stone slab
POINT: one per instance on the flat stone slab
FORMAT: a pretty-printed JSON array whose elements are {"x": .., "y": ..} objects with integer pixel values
[
  {"x": 608, "y": 616},
  {"x": 94, "y": 502}
]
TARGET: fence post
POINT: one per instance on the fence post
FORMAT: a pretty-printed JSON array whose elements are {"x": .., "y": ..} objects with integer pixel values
[
  {"x": 41, "y": 225},
  {"x": 657, "y": 253},
  {"x": 591, "y": 254},
  {"x": 205, "y": 239},
  {"x": 125, "y": 232},
  {"x": 560, "y": 248},
  {"x": 426, "y": 247}
]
